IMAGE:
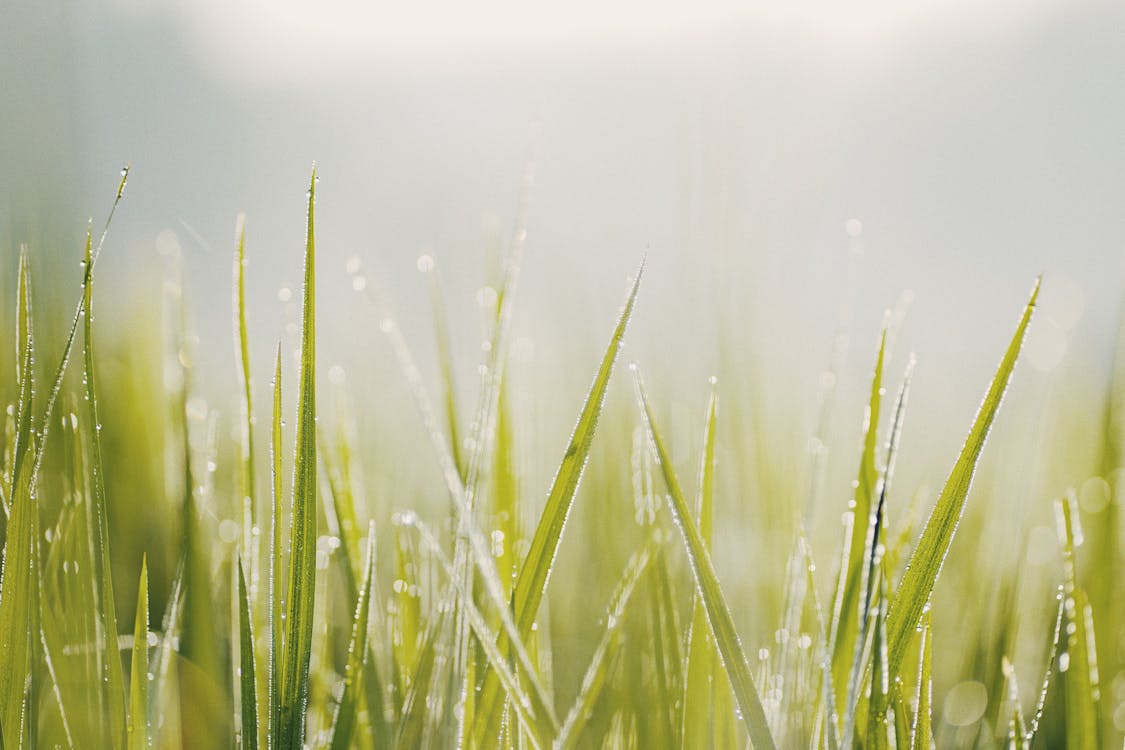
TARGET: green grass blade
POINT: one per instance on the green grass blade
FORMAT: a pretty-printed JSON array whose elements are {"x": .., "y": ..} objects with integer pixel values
[
  {"x": 1044, "y": 687},
  {"x": 300, "y": 600},
  {"x": 347, "y": 712},
  {"x": 247, "y": 478},
  {"x": 536, "y": 569},
  {"x": 701, "y": 679},
  {"x": 25, "y": 355},
  {"x": 532, "y": 579},
  {"x": 707, "y": 583},
  {"x": 1017, "y": 725},
  {"x": 593, "y": 682},
  {"x": 922, "y": 734},
  {"x": 248, "y": 672},
  {"x": 533, "y": 708},
  {"x": 925, "y": 563},
  {"x": 1078, "y": 662},
  {"x": 879, "y": 699},
  {"x": 277, "y": 554},
  {"x": 139, "y": 730},
  {"x": 847, "y": 606},
  {"x": 15, "y": 608},
  {"x": 112, "y": 673},
  {"x": 68, "y": 346}
]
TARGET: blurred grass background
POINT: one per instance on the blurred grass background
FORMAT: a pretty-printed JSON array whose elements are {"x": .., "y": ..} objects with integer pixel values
[{"x": 788, "y": 175}]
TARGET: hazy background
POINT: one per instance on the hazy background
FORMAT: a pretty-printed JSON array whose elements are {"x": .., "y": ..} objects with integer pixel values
[
  {"x": 732, "y": 142},
  {"x": 791, "y": 170}
]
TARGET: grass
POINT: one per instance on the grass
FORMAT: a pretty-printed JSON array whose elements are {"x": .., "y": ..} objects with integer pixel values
[{"x": 453, "y": 629}]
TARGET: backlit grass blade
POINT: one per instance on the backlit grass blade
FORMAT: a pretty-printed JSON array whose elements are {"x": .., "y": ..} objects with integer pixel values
[
  {"x": 531, "y": 708},
  {"x": 428, "y": 267},
  {"x": 1079, "y": 661},
  {"x": 16, "y": 597},
  {"x": 247, "y": 477},
  {"x": 847, "y": 606},
  {"x": 347, "y": 711},
  {"x": 536, "y": 569},
  {"x": 707, "y": 583},
  {"x": 922, "y": 734},
  {"x": 18, "y": 571},
  {"x": 112, "y": 674},
  {"x": 248, "y": 672},
  {"x": 299, "y": 602},
  {"x": 702, "y": 660},
  {"x": 593, "y": 682},
  {"x": 926, "y": 561},
  {"x": 139, "y": 731},
  {"x": 25, "y": 355},
  {"x": 91, "y": 258},
  {"x": 276, "y": 582},
  {"x": 879, "y": 699},
  {"x": 1041, "y": 701},
  {"x": 1017, "y": 725}
]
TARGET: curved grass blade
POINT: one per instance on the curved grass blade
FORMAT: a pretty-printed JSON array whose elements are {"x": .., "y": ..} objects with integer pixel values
[
  {"x": 276, "y": 623},
  {"x": 139, "y": 730},
  {"x": 1041, "y": 702},
  {"x": 1017, "y": 725},
  {"x": 347, "y": 712},
  {"x": 536, "y": 569},
  {"x": 926, "y": 561},
  {"x": 248, "y": 672},
  {"x": 846, "y": 606},
  {"x": 18, "y": 574},
  {"x": 1078, "y": 662},
  {"x": 15, "y": 608},
  {"x": 91, "y": 258},
  {"x": 300, "y": 600},
  {"x": 532, "y": 708},
  {"x": 922, "y": 734},
  {"x": 597, "y": 672},
  {"x": 702, "y": 659},
  {"x": 711, "y": 593},
  {"x": 112, "y": 674},
  {"x": 247, "y": 478}
]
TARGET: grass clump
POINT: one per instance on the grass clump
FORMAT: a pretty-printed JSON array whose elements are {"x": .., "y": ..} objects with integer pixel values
[{"x": 301, "y": 631}]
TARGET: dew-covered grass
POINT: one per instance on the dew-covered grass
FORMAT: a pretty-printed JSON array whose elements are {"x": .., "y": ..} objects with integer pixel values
[{"x": 293, "y": 588}]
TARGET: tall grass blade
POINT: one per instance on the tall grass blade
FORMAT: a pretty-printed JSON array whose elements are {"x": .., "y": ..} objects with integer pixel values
[
  {"x": 91, "y": 258},
  {"x": 248, "y": 672},
  {"x": 276, "y": 555},
  {"x": 702, "y": 678},
  {"x": 847, "y": 605},
  {"x": 347, "y": 711},
  {"x": 139, "y": 728},
  {"x": 300, "y": 600},
  {"x": 112, "y": 674},
  {"x": 16, "y": 596},
  {"x": 1041, "y": 701},
  {"x": 926, "y": 561},
  {"x": 593, "y": 682},
  {"x": 536, "y": 569},
  {"x": 1078, "y": 662},
  {"x": 247, "y": 478},
  {"x": 707, "y": 583},
  {"x": 922, "y": 734}
]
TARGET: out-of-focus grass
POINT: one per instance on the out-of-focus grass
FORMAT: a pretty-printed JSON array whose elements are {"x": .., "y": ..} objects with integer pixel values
[{"x": 491, "y": 607}]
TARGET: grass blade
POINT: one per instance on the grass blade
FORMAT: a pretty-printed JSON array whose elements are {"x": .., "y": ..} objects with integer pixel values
[
  {"x": 707, "y": 583},
  {"x": 277, "y": 520},
  {"x": 248, "y": 672},
  {"x": 112, "y": 674},
  {"x": 300, "y": 600},
  {"x": 532, "y": 579},
  {"x": 1078, "y": 662},
  {"x": 247, "y": 478},
  {"x": 846, "y": 607},
  {"x": 597, "y": 672},
  {"x": 139, "y": 730},
  {"x": 347, "y": 712},
  {"x": 922, "y": 734},
  {"x": 926, "y": 561},
  {"x": 701, "y": 657}
]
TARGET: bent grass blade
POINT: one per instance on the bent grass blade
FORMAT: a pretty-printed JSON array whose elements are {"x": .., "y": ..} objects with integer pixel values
[{"x": 707, "y": 583}]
